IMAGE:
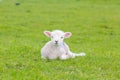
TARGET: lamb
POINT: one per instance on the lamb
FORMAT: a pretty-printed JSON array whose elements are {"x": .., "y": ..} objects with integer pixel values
[{"x": 57, "y": 48}]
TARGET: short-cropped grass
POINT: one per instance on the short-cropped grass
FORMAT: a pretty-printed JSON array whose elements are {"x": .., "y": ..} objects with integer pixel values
[{"x": 95, "y": 27}]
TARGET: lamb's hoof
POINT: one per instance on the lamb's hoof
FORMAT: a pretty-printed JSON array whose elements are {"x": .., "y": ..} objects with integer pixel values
[
  {"x": 83, "y": 54},
  {"x": 43, "y": 57}
]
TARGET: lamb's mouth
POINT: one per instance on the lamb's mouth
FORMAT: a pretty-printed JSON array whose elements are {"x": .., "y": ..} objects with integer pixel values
[{"x": 56, "y": 43}]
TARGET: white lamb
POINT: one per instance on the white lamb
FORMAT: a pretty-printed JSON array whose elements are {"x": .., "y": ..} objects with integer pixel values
[{"x": 57, "y": 48}]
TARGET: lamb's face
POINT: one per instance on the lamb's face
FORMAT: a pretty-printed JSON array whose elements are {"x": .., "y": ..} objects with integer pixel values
[{"x": 57, "y": 36}]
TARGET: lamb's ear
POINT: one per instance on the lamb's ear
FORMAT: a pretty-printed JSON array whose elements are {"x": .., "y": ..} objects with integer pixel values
[
  {"x": 67, "y": 34},
  {"x": 47, "y": 33}
]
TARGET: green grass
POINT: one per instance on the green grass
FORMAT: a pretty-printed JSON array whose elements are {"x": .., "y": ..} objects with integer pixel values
[{"x": 95, "y": 25}]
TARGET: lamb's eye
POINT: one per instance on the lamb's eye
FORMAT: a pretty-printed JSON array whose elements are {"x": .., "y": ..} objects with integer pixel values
[{"x": 62, "y": 37}]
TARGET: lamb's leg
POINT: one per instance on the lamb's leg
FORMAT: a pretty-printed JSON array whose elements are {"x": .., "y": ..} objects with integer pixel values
[
  {"x": 64, "y": 57},
  {"x": 80, "y": 54},
  {"x": 74, "y": 54},
  {"x": 43, "y": 57},
  {"x": 71, "y": 54}
]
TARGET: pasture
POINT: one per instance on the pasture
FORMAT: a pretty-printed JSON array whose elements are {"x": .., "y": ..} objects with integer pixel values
[{"x": 95, "y": 27}]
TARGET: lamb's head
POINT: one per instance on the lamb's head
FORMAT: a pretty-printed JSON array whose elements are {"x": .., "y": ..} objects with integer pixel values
[{"x": 57, "y": 36}]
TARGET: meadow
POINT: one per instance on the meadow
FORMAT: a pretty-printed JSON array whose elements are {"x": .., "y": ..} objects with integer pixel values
[{"x": 95, "y": 27}]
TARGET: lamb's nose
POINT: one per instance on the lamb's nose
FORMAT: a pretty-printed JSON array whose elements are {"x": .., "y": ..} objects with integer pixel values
[{"x": 56, "y": 41}]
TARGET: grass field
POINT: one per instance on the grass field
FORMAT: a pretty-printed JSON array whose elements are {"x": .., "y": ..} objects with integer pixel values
[{"x": 95, "y": 25}]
